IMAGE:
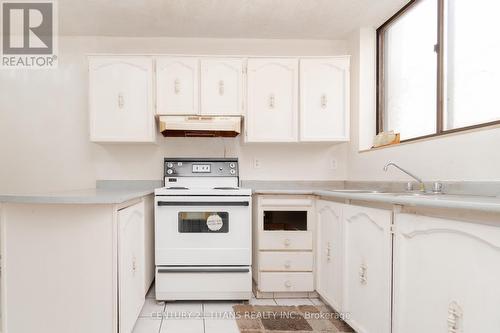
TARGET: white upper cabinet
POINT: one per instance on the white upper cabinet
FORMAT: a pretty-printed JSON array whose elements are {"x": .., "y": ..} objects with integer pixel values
[
  {"x": 367, "y": 269},
  {"x": 266, "y": 91},
  {"x": 446, "y": 275},
  {"x": 121, "y": 99},
  {"x": 329, "y": 252},
  {"x": 222, "y": 86},
  {"x": 324, "y": 99},
  {"x": 272, "y": 100},
  {"x": 177, "y": 81}
]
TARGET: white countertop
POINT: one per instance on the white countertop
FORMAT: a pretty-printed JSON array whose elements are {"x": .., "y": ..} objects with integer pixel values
[
  {"x": 117, "y": 196},
  {"x": 88, "y": 196},
  {"x": 449, "y": 201}
]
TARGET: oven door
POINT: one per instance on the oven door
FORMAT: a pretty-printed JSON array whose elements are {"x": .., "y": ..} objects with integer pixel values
[{"x": 203, "y": 230}]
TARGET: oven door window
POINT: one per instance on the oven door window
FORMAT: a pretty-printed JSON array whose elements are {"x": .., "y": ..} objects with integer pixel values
[{"x": 203, "y": 222}]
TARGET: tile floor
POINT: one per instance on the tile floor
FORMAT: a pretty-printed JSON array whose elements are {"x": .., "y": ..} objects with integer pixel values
[{"x": 198, "y": 317}]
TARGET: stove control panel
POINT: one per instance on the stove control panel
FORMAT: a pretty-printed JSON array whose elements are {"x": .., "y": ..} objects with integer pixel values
[{"x": 201, "y": 167}]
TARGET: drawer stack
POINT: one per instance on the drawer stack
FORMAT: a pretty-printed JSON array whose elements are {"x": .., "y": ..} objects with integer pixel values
[{"x": 283, "y": 259}]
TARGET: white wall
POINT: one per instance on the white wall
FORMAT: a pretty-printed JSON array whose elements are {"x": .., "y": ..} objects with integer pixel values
[
  {"x": 44, "y": 133},
  {"x": 471, "y": 156}
]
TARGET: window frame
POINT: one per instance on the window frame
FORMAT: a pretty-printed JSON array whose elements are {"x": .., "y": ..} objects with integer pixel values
[{"x": 440, "y": 75}]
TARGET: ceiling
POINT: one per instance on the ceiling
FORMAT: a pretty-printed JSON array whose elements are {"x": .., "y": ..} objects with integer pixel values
[{"x": 287, "y": 19}]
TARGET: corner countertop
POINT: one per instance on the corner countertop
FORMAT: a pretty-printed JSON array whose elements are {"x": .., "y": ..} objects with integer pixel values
[
  {"x": 117, "y": 192},
  {"x": 88, "y": 196},
  {"x": 447, "y": 201}
]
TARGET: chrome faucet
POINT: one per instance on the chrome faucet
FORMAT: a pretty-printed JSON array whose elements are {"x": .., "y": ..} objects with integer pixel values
[{"x": 408, "y": 187}]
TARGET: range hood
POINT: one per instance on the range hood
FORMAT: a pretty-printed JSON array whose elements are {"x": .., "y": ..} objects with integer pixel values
[{"x": 200, "y": 126}]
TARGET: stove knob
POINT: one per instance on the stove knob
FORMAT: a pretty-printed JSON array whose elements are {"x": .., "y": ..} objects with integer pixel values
[
  {"x": 232, "y": 165},
  {"x": 232, "y": 171},
  {"x": 169, "y": 165},
  {"x": 170, "y": 171}
]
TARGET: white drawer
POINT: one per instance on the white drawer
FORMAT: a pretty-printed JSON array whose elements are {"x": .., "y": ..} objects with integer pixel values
[
  {"x": 285, "y": 240},
  {"x": 282, "y": 282},
  {"x": 192, "y": 283},
  {"x": 286, "y": 261}
]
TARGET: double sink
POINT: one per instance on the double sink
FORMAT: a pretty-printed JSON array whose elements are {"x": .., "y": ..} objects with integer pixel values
[{"x": 376, "y": 192}]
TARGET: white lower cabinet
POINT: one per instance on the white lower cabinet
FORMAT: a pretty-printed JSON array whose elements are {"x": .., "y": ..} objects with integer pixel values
[
  {"x": 367, "y": 268},
  {"x": 75, "y": 268},
  {"x": 329, "y": 252},
  {"x": 283, "y": 253},
  {"x": 130, "y": 265},
  {"x": 446, "y": 276}
]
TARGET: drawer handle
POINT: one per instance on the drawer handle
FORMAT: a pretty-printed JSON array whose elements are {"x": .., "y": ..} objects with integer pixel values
[
  {"x": 287, "y": 242},
  {"x": 288, "y": 284},
  {"x": 288, "y": 264}
]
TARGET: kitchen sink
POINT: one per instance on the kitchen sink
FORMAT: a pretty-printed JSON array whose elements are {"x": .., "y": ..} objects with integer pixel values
[
  {"x": 402, "y": 193},
  {"x": 359, "y": 191}
]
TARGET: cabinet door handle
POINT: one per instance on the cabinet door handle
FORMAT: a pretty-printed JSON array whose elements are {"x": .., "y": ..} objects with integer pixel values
[
  {"x": 328, "y": 252},
  {"x": 272, "y": 101},
  {"x": 221, "y": 87},
  {"x": 287, "y": 242},
  {"x": 121, "y": 101},
  {"x": 288, "y": 284},
  {"x": 363, "y": 274},
  {"x": 177, "y": 86},
  {"x": 455, "y": 313},
  {"x": 134, "y": 265},
  {"x": 324, "y": 101},
  {"x": 288, "y": 264}
]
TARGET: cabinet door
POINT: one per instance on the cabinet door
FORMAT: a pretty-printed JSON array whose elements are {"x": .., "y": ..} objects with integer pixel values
[
  {"x": 121, "y": 99},
  {"x": 367, "y": 269},
  {"x": 329, "y": 252},
  {"x": 177, "y": 85},
  {"x": 130, "y": 265},
  {"x": 446, "y": 276},
  {"x": 272, "y": 100},
  {"x": 149, "y": 243},
  {"x": 324, "y": 99},
  {"x": 222, "y": 86}
]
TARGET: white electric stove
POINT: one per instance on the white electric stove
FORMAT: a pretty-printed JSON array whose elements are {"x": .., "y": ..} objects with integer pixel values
[{"x": 202, "y": 231}]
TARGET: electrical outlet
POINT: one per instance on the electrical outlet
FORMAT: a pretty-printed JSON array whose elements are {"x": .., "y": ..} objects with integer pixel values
[
  {"x": 333, "y": 164},
  {"x": 256, "y": 163}
]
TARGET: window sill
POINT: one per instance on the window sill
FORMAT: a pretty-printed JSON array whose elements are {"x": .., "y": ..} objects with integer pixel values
[{"x": 434, "y": 137}]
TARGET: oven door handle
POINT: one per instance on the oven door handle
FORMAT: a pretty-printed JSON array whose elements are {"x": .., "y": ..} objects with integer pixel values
[
  {"x": 204, "y": 270},
  {"x": 203, "y": 203}
]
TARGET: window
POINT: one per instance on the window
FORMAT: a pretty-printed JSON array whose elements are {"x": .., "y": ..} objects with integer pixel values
[{"x": 438, "y": 68}]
